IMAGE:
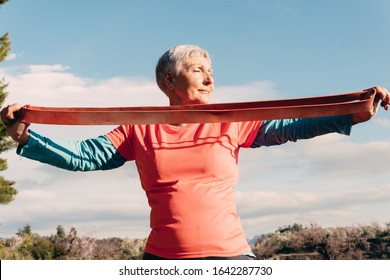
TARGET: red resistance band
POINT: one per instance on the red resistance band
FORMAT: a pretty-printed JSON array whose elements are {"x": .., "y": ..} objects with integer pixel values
[{"x": 329, "y": 105}]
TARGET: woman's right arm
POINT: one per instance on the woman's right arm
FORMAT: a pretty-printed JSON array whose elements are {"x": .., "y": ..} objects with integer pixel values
[{"x": 91, "y": 154}]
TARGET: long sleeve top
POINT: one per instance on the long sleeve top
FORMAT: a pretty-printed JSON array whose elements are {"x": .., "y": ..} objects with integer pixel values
[
  {"x": 187, "y": 172},
  {"x": 99, "y": 153}
]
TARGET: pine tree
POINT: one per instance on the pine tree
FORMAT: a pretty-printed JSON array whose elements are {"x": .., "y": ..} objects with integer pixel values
[
  {"x": 7, "y": 191},
  {"x": 61, "y": 232}
]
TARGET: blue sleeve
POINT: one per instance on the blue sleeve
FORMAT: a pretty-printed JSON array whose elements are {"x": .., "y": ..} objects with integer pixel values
[
  {"x": 92, "y": 154},
  {"x": 276, "y": 132}
]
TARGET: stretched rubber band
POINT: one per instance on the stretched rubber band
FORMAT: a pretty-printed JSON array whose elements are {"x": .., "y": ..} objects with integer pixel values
[{"x": 329, "y": 105}]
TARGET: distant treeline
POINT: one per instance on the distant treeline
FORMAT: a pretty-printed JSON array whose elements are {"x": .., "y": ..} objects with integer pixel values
[
  {"x": 26, "y": 245},
  {"x": 316, "y": 243},
  {"x": 290, "y": 242}
]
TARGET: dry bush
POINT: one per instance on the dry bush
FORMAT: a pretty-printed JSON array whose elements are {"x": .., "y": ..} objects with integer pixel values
[
  {"x": 313, "y": 243},
  {"x": 133, "y": 249},
  {"x": 82, "y": 248}
]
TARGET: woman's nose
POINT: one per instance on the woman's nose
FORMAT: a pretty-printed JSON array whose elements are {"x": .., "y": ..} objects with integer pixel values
[{"x": 208, "y": 79}]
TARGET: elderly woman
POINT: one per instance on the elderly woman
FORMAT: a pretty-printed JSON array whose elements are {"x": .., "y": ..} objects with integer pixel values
[{"x": 188, "y": 171}]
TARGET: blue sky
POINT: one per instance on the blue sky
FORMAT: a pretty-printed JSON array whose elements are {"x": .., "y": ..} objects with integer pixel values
[{"x": 103, "y": 53}]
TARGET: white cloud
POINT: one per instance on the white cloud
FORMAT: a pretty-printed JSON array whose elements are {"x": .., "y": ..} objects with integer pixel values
[
  {"x": 259, "y": 90},
  {"x": 50, "y": 85},
  {"x": 270, "y": 203},
  {"x": 341, "y": 157},
  {"x": 275, "y": 209},
  {"x": 385, "y": 122},
  {"x": 42, "y": 68},
  {"x": 10, "y": 56}
]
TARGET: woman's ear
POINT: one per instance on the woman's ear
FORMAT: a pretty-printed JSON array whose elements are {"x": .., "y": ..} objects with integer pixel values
[{"x": 169, "y": 80}]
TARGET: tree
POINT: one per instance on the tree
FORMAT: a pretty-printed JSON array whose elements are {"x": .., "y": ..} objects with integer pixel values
[
  {"x": 25, "y": 231},
  {"x": 72, "y": 232},
  {"x": 61, "y": 232},
  {"x": 7, "y": 191}
]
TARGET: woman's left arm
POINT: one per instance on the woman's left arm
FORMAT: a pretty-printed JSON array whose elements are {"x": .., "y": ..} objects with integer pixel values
[{"x": 277, "y": 132}]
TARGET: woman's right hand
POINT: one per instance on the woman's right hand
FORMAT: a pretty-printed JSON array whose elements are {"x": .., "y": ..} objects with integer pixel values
[{"x": 18, "y": 130}]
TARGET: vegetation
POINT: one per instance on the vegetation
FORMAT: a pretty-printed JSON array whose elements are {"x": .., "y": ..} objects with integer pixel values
[
  {"x": 314, "y": 242},
  {"x": 26, "y": 245},
  {"x": 289, "y": 243},
  {"x": 7, "y": 191}
]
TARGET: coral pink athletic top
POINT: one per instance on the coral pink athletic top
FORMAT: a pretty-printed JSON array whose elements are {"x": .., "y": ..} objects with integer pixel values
[{"x": 188, "y": 173}]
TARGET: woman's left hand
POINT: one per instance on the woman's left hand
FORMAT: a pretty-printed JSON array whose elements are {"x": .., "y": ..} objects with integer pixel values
[{"x": 382, "y": 98}]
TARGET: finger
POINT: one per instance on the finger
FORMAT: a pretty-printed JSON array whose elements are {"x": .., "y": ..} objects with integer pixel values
[
  {"x": 382, "y": 97},
  {"x": 385, "y": 98},
  {"x": 385, "y": 105},
  {"x": 11, "y": 114},
  {"x": 4, "y": 113}
]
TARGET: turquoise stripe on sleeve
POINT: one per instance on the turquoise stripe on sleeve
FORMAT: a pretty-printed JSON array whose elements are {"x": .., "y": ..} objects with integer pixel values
[{"x": 91, "y": 154}]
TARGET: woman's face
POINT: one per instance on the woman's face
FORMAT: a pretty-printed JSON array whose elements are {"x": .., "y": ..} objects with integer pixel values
[{"x": 193, "y": 83}]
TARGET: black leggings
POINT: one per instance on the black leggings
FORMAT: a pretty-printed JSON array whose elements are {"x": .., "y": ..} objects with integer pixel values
[{"x": 148, "y": 256}]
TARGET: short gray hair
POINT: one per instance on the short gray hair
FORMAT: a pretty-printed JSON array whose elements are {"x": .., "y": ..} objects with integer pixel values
[{"x": 170, "y": 61}]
